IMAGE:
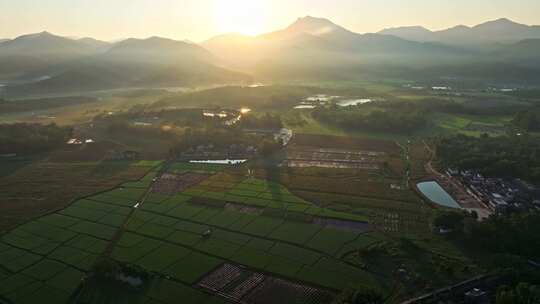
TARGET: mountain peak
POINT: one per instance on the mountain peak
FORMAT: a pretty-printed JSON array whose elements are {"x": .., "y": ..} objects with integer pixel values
[
  {"x": 415, "y": 29},
  {"x": 460, "y": 27},
  {"x": 415, "y": 33},
  {"x": 410, "y": 28},
  {"x": 157, "y": 48},
  {"x": 311, "y": 19},
  {"x": 311, "y": 22},
  {"x": 500, "y": 23},
  {"x": 503, "y": 21},
  {"x": 43, "y": 34},
  {"x": 313, "y": 26},
  {"x": 40, "y": 36}
]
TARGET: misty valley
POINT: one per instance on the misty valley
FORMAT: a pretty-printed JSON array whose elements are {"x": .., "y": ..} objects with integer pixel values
[{"x": 307, "y": 165}]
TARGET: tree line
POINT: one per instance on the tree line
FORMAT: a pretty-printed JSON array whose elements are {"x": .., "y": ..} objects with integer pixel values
[
  {"x": 504, "y": 244},
  {"x": 506, "y": 156},
  {"x": 25, "y": 138},
  {"x": 402, "y": 120}
]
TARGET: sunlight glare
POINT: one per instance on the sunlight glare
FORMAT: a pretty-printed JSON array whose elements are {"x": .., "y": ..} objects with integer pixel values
[{"x": 246, "y": 17}]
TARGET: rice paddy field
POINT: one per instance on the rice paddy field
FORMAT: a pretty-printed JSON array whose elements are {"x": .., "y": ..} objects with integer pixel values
[
  {"x": 230, "y": 234},
  {"x": 35, "y": 187},
  {"x": 471, "y": 125}
]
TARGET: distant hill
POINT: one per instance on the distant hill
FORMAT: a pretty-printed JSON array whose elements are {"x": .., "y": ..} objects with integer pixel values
[
  {"x": 525, "y": 53},
  {"x": 96, "y": 44},
  {"x": 27, "y": 54},
  {"x": 315, "y": 46},
  {"x": 4, "y": 40},
  {"x": 153, "y": 62},
  {"x": 412, "y": 33},
  {"x": 498, "y": 31},
  {"x": 308, "y": 49},
  {"x": 45, "y": 45},
  {"x": 157, "y": 50}
]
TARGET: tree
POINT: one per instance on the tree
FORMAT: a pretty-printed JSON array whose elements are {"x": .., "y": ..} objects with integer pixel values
[
  {"x": 523, "y": 293},
  {"x": 22, "y": 138},
  {"x": 368, "y": 296},
  {"x": 360, "y": 296},
  {"x": 450, "y": 220},
  {"x": 527, "y": 120},
  {"x": 106, "y": 269},
  {"x": 268, "y": 147}
]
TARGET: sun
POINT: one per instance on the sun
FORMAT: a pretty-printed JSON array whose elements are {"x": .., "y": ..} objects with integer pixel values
[{"x": 246, "y": 17}]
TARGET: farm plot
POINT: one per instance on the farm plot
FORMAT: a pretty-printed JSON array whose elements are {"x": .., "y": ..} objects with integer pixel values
[
  {"x": 254, "y": 195},
  {"x": 241, "y": 284},
  {"x": 215, "y": 235},
  {"x": 46, "y": 258},
  {"x": 40, "y": 188},
  {"x": 185, "y": 167},
  {"x": 157, "y": 290},
  {"x": 47, "y": 279},
  {"x": 347, "y": 143},
  {"x": 219, "y": 233},
  {"x": 171, "y": 184},
  {"x": 239, "y": 238},
  {"x": 303, "y": 157}
]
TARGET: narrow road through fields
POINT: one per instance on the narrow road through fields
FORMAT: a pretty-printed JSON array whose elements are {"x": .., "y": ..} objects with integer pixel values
[
  {"x": 478, "y": 206},
  {"x": 136, "y": 205},
  {"x": 429, "y": 165},
  {"x": 119, "y": 232},
  {"x": 407, "y": 160}
]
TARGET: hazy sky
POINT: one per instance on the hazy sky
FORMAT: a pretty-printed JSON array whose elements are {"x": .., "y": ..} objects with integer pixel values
[{"x": 200, "y": 19}]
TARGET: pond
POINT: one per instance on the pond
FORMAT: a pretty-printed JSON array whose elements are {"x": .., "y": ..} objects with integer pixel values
[
  {"x": 321, "y": 98},
  {"x": 437, "y": 194},
  {"x": 353, "y": 102},
  {"x": 305, "y": 106},
  {"x": 220, "y": 161}
]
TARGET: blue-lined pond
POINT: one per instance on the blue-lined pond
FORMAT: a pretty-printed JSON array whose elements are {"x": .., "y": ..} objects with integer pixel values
[{"x": 437, "y": 194}]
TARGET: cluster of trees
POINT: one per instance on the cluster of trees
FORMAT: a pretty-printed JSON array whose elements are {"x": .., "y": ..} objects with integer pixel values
[
  {"x": 7, "y": 106},
  {"x": 189, "y": 117},
  {"x": 510, "y": 156},
  {"x": 526, "y": 94},
  {"x": 360, "y": 296},
  {"x": 263, "y": 97},
  {"x": 23, "y": 138},
  {"x": 266, "y": 121},
  {"x": 124, "y": 128},
  {"x": 523, "y": 293},
  {"x": 472, "y": 106},
  {"x": 219, "y": 138},
  {"x": 222, "y": 139},
  {"x": 507, "y": 244},
  {"x": 527, "y": 121},
  {"x": 517, "y": 235},
  {"x": 399, "y": 120}
]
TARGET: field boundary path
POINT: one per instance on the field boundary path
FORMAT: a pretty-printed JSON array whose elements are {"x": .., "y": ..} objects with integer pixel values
[
  {"x": 407, "y": 158},
  {"x": 136, "y": 205},
  {"x": 461, "y": 287}
]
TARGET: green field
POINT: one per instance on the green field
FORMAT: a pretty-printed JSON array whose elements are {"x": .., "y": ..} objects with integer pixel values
[{"x": 180, "y": 238}]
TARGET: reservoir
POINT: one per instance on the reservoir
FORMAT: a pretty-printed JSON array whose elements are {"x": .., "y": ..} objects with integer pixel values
[
  {"x": 353, "y": 102},
  {"x": 305, "y": 106},
  {"x": 437, "y": 194},
  {"x": 220, "y": 162}
]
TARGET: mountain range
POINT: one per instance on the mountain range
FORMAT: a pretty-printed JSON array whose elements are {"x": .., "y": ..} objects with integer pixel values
[
  {"x": 312, "y": 44},
  {"x": 315, "y": 48},
  {"x": 493, "y": 32},
  {"x": 46, "y": 64},
  {"x": 310, "y": 48}
]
